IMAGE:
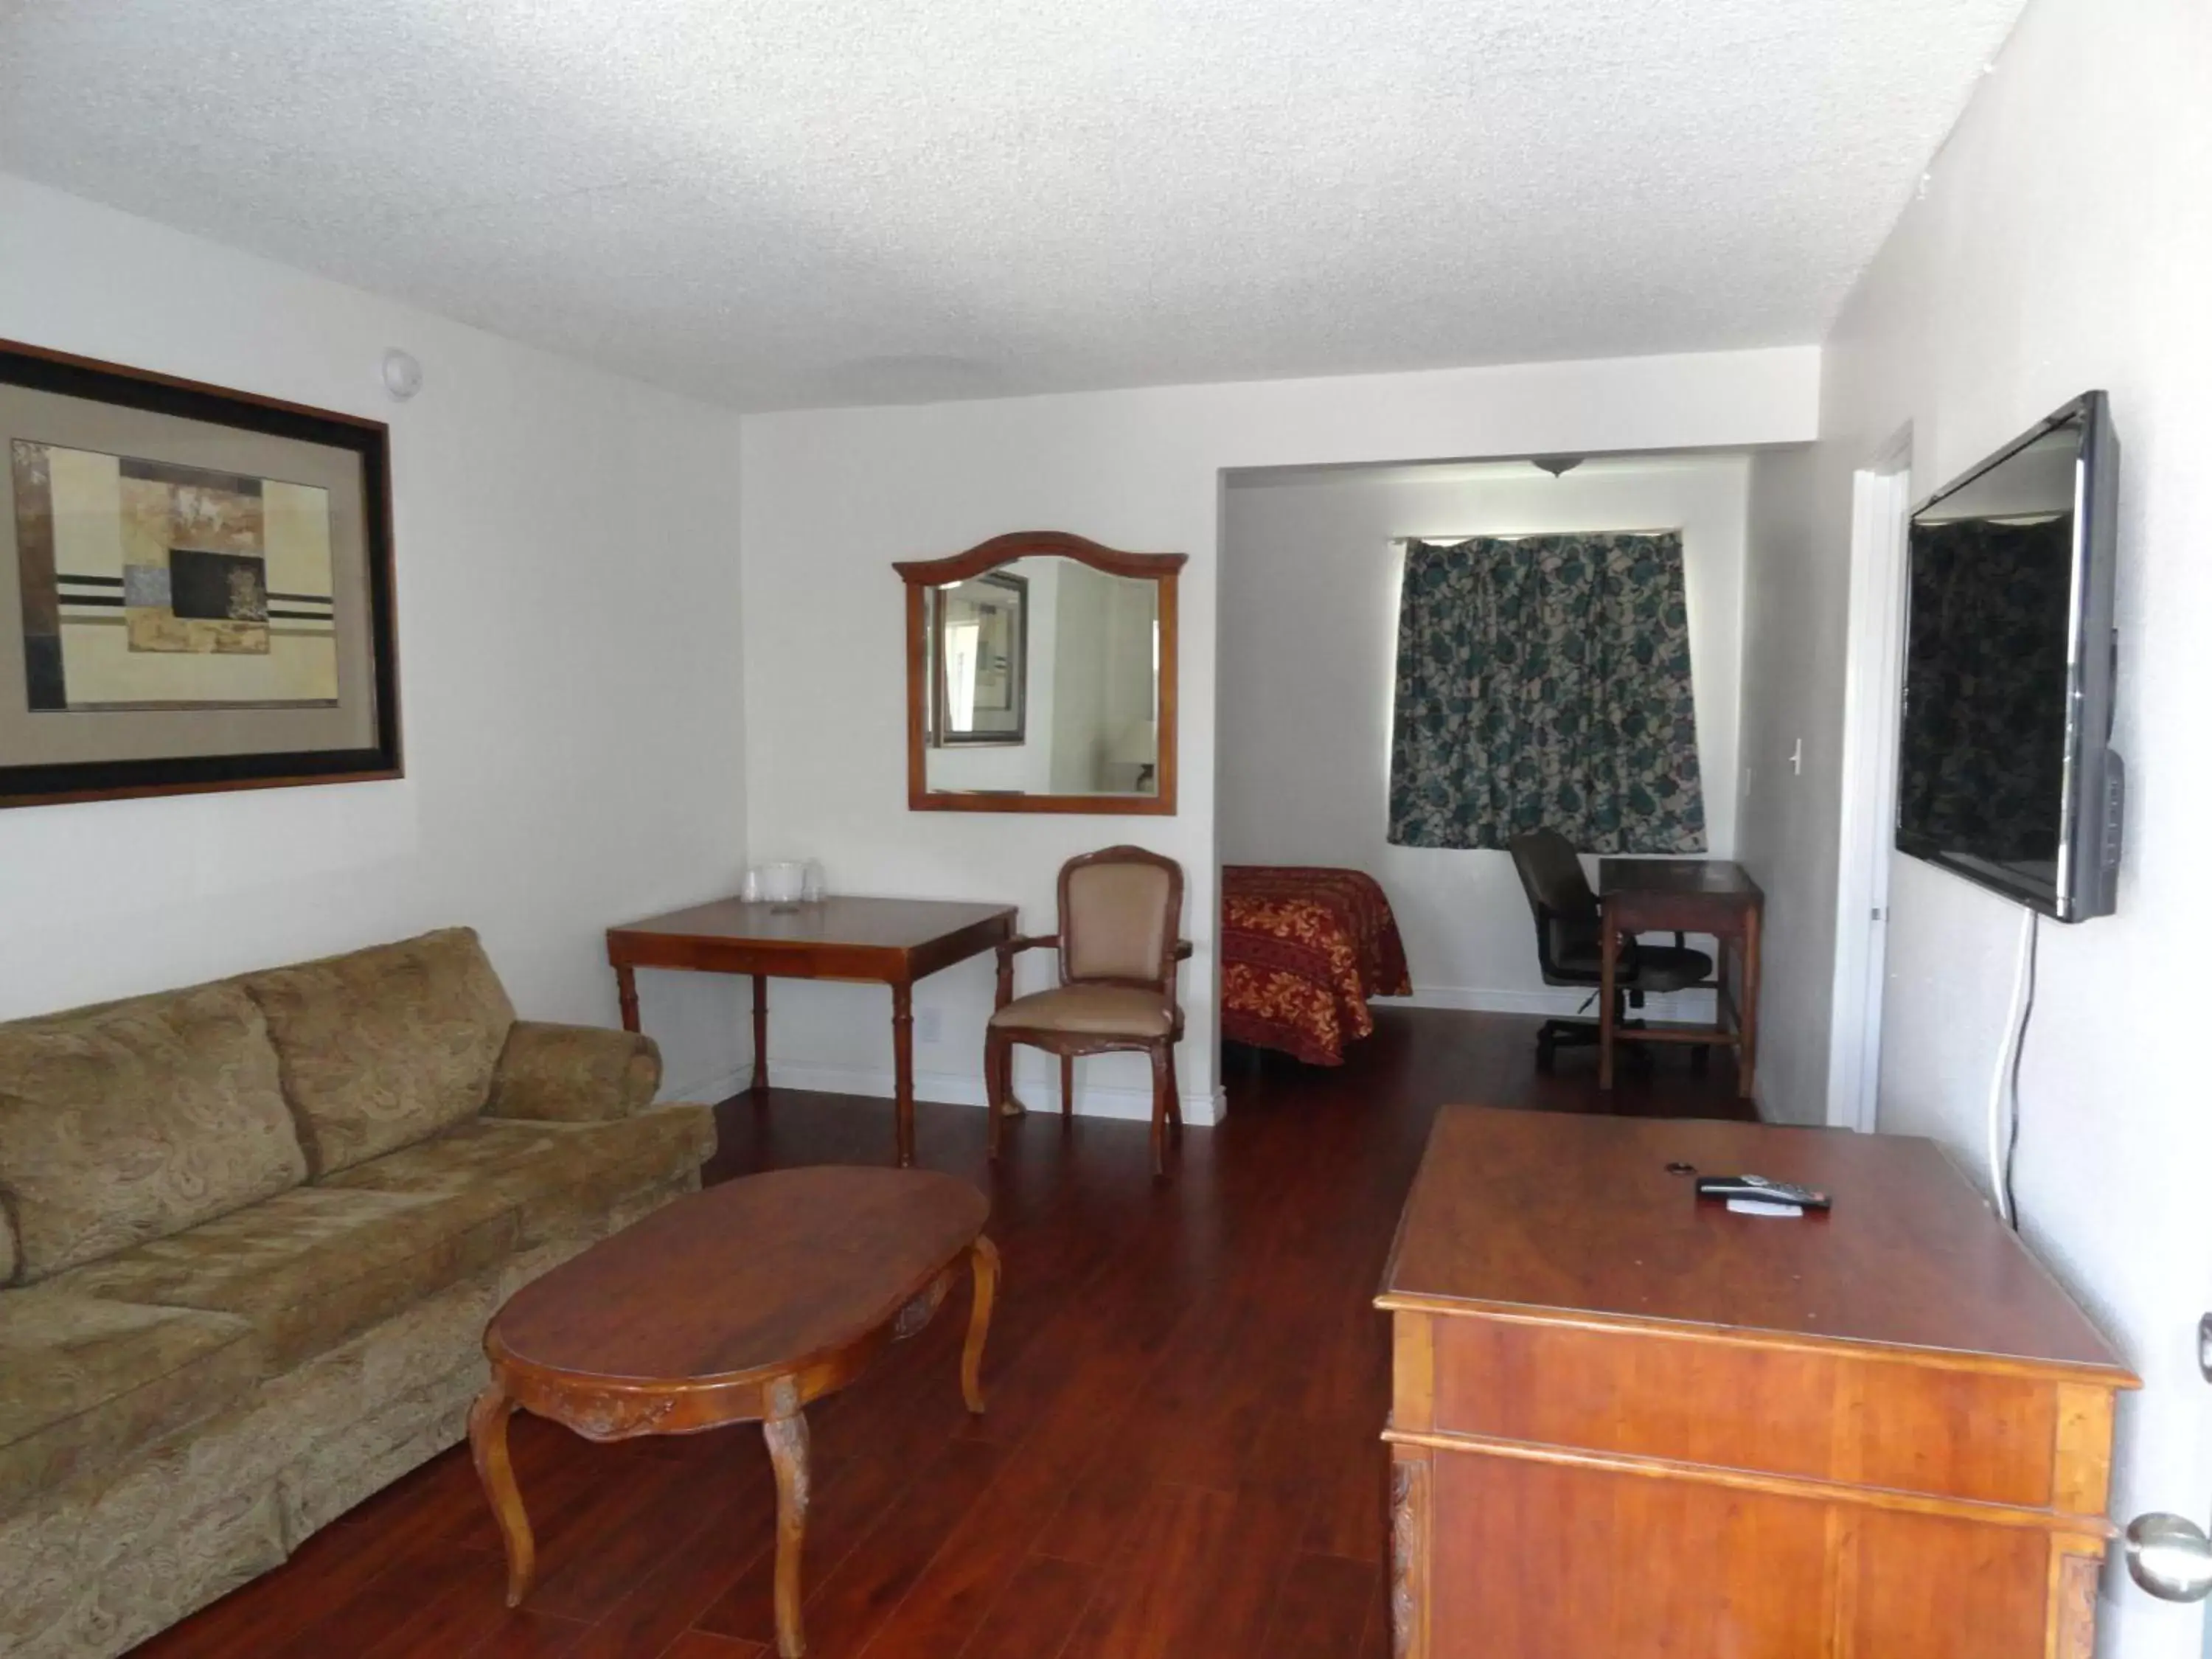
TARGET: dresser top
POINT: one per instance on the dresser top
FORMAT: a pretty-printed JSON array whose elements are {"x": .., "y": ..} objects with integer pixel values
[{"x": 1569, "y": 1215}]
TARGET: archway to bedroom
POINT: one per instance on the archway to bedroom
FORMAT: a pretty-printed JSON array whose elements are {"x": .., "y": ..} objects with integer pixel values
[{"x": 1420, "y": 664}]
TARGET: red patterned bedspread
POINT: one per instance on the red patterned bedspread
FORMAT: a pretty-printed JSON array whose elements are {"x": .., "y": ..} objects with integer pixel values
[{"x": 1302, "y": 949}]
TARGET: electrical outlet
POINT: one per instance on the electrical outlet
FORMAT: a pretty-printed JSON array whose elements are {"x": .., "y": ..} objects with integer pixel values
[{"x": 929, "y": 1024}]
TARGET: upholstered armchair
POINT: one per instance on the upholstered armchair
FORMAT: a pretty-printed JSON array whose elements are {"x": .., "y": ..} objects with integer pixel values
[{"x": 1119, "y": 911}]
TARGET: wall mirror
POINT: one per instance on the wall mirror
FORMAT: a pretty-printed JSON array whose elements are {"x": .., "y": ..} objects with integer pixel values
[{"x": 1041, "y": 677}]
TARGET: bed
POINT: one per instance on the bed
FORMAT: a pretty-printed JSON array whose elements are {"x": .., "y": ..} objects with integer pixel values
[{"x": 1302, "y": 949}]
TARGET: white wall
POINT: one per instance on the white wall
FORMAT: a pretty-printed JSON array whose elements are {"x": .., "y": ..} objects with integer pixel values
[
  {"x": 569, "y": 651},
  {"x": 2062, "y": 243},
  {"x": 1795, "y": 593},
  {"x": 832, "y": 497},
  {"x": 1310, "y": 578}
]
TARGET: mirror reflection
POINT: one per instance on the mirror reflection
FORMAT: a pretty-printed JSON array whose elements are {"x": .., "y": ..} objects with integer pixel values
[{"x": 1044, "y": 680}]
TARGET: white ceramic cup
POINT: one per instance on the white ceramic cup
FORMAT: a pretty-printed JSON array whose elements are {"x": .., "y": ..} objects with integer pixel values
[{"x": 783, "y": 881}]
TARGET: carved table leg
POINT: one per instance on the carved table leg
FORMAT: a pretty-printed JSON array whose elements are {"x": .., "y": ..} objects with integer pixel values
[
  {"x": 983, "y": 1260},
  {"x": 786, "y": 1434},
  {"x": 488, "y": 1445},
  {"x": 1409, "y": 1553},
  {"x": 626, "y": 995}
]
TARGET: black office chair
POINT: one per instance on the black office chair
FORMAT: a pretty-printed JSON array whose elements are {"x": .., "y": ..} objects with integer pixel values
[{"x": 1568, "y": 933}]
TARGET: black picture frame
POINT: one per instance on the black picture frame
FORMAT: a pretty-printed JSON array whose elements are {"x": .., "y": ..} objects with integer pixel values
[
  {"x": 367, "y": 441},
  {"x": 1014, "y": 735}
]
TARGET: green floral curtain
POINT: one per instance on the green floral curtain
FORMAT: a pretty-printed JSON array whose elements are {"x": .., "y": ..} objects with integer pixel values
[{"x": 1545, "y": 680}]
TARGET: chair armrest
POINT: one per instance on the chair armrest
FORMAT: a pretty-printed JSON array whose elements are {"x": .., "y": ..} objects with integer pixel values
[
  {"x": 573, "y": 1074},
  {"x": 1008, "y": 949},
  {"x": 1183, "y": 949}
]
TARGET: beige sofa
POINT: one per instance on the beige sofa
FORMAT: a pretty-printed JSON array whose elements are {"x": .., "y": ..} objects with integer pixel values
[{"x": 250, "y": 1235}]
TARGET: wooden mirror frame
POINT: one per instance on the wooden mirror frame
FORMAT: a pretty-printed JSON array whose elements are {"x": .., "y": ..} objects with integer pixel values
[{"x": 920, "y": 575}]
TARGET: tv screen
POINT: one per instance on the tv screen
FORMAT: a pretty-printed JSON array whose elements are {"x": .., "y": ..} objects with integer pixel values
[{"x": 2004, "y": 772}]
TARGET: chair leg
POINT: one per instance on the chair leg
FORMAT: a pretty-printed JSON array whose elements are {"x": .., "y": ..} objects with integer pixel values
[
  {"x": 1174, "y": 1096},
  {"x": 1067, "y": 1085},
  {"x": 996, "y": 1056},
  {"x": 1162, "y": 1070}
]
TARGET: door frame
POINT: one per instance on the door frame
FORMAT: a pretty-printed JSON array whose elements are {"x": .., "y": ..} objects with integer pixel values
[{"x": 1873, "y": 685}]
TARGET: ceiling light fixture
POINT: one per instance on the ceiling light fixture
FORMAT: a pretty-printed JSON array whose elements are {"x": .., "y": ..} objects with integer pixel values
[{"x": 1556, "y": 464}]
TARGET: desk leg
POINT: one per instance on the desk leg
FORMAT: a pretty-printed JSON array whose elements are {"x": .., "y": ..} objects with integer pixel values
[
  {"x": 1608, "y": 956},
  {"x": 626, "y": 993},
  {"x": 760, "y": 1034},
  {"x": 1746, "y": 1013},
  {"x": 902, "y": 1068}
]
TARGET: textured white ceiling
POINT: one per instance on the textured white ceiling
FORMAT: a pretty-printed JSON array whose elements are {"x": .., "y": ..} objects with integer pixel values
[{"x": 788, "y": 203}]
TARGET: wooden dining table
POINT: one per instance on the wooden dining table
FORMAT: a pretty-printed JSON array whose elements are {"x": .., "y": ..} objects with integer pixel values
[
  {"x": 884, "y": 941},
  {"x": 1685, "y": 895}
]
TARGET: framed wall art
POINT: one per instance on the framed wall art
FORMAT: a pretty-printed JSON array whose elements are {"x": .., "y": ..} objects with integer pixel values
[{"x": 195, "y": 587}]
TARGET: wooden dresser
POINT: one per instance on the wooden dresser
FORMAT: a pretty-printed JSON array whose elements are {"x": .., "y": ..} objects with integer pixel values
[{"x": 1628, "y": 1424}]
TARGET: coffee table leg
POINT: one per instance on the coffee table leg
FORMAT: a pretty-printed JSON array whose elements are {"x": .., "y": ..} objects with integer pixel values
[
  {"x": 786, "y": 1449},
  {"x": 983, "y": 1262},
  {"x": 488, "y": 1446}
]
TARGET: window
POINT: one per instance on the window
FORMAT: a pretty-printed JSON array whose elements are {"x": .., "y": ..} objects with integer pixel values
[{"x": 1545, "y": 681}]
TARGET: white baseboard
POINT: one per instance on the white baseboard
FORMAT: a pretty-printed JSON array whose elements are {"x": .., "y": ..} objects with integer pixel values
[
  {"x": 964, "y": 1089},
  {"x": 1550, "y": 1003},
  {"x": 711, "y": 1090}
]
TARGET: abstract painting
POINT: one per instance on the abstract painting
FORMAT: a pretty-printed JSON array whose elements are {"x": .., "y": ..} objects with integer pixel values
[
  {"x": 150, "y": 585},
  {"x": 201, "y": 587}
]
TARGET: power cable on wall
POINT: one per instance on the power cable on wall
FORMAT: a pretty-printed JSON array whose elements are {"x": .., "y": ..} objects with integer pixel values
[{"x": 2004, "y": 1081}]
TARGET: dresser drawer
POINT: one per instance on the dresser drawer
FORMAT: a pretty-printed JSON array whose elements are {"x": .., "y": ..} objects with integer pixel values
[{"x": 1922, "y": 1424}]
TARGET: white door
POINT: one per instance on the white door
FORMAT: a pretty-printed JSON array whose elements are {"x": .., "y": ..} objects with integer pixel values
[{"x": 1873, "y": 678}]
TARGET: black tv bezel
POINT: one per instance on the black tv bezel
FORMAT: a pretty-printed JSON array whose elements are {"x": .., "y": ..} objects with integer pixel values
[{"x": 2084, "y": 886}]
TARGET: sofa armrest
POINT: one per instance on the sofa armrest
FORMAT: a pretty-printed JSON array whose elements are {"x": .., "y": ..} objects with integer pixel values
[{"x": 573, "y": 1074}]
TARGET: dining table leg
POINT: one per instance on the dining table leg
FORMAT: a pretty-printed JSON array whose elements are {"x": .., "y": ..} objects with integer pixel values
[
  {"x": 760, "y": 1034},
  {"x": 903, "y": 1068}
]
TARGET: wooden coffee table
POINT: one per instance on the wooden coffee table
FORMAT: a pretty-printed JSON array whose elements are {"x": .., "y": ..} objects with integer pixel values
[{"x": 737, "y": 1305}]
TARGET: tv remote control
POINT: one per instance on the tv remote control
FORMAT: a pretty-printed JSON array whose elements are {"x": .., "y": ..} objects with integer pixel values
[{"x": 1723, "y": 1187}]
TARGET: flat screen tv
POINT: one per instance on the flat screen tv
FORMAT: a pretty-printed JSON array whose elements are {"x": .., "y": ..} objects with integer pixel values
[{"x": 2006, "y": 775}]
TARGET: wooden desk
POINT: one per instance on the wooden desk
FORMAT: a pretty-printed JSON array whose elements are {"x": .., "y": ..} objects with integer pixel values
[
  {"x": 1624, "y": 1423},
  {"x": 885, "y": 941},
  {"x": 1685, "y": 895}
]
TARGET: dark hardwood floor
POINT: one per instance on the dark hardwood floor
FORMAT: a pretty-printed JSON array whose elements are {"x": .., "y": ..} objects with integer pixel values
[{"x": 1180, "y": 1458}]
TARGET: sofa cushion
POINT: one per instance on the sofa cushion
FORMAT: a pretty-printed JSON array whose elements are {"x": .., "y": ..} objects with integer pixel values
[
  {"x": 309, "y": 1267},
  {"x": 85, "y": 1382},
  {"x": 384, "y": 1047},
  {"x": 135, "y": 1120},
  {"x": 573, "y": 1074},
  {"x": 553, "y": 1175}
]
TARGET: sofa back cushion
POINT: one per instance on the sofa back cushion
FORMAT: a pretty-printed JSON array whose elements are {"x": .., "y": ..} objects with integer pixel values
[
  {"x": 136, "y": 1120},
  {"x": 384, "y": 1047}
]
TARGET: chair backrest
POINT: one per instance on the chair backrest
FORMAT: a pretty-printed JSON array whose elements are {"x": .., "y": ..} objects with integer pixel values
[
  {"x": 1564, "y": 908},
  {"x": 1119, "y": 911}
]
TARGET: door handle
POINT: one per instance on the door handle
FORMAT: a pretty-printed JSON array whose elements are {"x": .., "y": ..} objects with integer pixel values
[{"x": 2169, "y": 1555}]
